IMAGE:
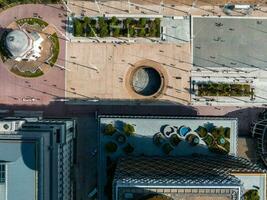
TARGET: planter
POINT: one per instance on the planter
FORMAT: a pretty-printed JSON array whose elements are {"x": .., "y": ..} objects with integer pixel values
[
  {"x": 175, "y": 140},
  {"x": 128, "y": 149},
  {"x": 111, "y": 147},
  {"x": 167, "y": 148},
  {"x": 120, "y": 138},
  {"x": 158, "y": 139},
  {"x": 183, "y": 131}
]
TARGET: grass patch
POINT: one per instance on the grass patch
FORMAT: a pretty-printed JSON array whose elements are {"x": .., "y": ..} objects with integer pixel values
[
  {"x": 27, "y": 74},
  {"x": 55, "y": 49},
  {"x": 32, "y": 21}
]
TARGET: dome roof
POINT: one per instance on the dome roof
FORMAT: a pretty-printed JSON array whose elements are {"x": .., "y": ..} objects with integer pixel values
[{"x": 17, "y": 42}]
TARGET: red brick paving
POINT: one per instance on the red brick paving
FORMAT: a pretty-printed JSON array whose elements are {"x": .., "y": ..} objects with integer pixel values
[{"x": 12, "y": 88}]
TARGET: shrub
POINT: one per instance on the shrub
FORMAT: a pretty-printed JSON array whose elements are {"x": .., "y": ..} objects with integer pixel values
[
  {"x": 175, "y": 140},
  {"x": 121, "y": 138},
  {"x": 78, "y": 28},
  {"x": 128, "y": 129},
  {"x": 209, "y": 140},
  {"x": 128, "y": 149},
  {"x": 116, "y": 32},
  {"x": 109, "y": 129},
  {"x": 192, "y": 139},
  {"x": 104, "y": 32},
  {"x": 227, "y": 131},
  {"x": 158, "y": 139},
  {"x": 142, "y": 22},
  {"x": 226, "y": 146},
  {"x": 252, "y": 195},
  {"x": 202, "y": 131},
  {"x": 167, "y": 148},
  {"x": 141, "y": 32},
  {"x": 114, "y": 20},
  {"x": 111, "y": 147}
]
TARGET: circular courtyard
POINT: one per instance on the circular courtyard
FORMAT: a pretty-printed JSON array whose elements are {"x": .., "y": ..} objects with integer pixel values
[{"x": 147, "y": 79}]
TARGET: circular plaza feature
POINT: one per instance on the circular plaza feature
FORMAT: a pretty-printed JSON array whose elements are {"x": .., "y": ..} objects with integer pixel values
[
  {"x": 146, "y": 80},
  {"x": 29, "y": 47}
]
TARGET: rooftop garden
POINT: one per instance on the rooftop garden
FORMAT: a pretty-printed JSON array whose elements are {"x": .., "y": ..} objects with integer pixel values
[
  {"x": 223, "y": 89},
  {"x": 119, "y": 138},
  {"x": 215, "y": 138},
  {"x": 115, "y": 27}
]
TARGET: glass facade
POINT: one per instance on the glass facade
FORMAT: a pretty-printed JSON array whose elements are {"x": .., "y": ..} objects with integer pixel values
[{"x": 2, "y": 173}]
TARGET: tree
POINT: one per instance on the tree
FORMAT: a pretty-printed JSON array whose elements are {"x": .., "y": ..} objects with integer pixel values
[
  {"x": 116, "y": 32},
  {"x": 101, "y": 22},
  {"x": 111, "y": 147},
  {"x": 128, "y": 129},
  {"x": 157, "y": 21},
  {"x": 131, "y": 32},
  {"x": 78, "y": 29},
  {"x": 114, "y": 20},
  {"x": 104, "y": 32},
  {"x": 127, "y": 22},
  {"x": 142, "y": 32},
  {"x": 142, "y": 22},
  {"x": 109, "y": 129}
]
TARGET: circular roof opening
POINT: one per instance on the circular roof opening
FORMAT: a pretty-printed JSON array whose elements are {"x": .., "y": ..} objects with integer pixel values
[{"x": 146, "y": 81}]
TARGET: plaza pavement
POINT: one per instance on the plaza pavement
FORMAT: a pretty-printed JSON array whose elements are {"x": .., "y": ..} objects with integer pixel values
[
  {"x": 16, "y": 90},
  {"x": 170, "y": 7},
  {"x": 113, "y": 63}
]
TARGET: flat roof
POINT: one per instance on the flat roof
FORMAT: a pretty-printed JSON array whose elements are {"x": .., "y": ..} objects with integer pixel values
[{"x": 231, "y": 42}]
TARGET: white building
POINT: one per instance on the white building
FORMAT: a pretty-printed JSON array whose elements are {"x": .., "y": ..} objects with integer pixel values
[{"x": 23, "y": 45}]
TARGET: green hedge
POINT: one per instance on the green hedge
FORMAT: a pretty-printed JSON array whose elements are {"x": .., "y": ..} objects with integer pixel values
[
  {"x": 27, "y": 74},
  {"x": 106, "y": 27},
  {"x": 55, "y": 49},
  {"x": 32, "y": 21},
  {"x": 223, "y": 89}
]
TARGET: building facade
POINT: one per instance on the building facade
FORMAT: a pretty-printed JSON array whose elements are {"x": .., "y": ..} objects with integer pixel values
[
  {"x": 188, "y": 177},
  {"x": 259, "y": 132},
  {"x": 38, "y": 162}
]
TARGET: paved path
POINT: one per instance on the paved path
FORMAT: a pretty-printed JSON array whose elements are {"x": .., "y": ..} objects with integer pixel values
[{"x": 15, "y": 89}]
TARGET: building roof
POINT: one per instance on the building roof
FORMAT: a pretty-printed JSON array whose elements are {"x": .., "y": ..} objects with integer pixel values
[
  {"x": 197, "y": 170},
  {"x": 17, "y": 42}
]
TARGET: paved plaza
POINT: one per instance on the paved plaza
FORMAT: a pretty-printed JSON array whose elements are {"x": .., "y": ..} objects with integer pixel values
[
  {"x": 230, "y": 42},
  {"x": 113, "y": 62},
  {"x": 17, "y": 90}
]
